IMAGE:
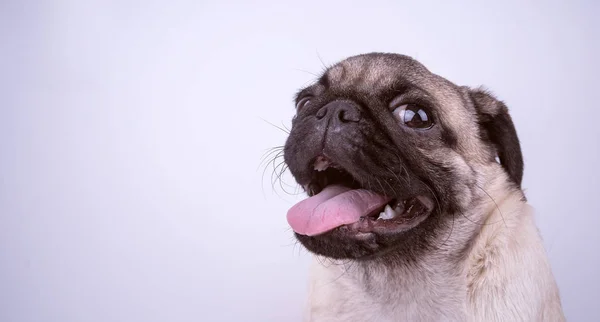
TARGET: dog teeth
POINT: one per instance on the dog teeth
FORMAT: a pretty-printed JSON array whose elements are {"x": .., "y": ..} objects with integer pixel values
[
  {"x": 387, "y": 213},
  {"x": 321, "y": 164},
  {"x": 390, "y": 212},
  {"x": 399, "y": 210}
]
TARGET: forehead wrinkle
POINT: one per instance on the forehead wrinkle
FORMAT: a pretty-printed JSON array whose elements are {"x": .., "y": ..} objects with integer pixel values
[
  {"x": 379, "y": 76},
  {"x": 364, "y": 75}
]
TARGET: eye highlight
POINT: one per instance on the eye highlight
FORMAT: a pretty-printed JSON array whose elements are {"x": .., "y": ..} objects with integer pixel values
[
  {"x": 414, "y": 116},
  {"x": 303, "y": 102}
]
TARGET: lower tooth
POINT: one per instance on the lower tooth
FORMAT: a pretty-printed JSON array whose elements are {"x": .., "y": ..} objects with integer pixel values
[
  {"x": 321, "y": 164},
  {"x": 388, "y": 213}
]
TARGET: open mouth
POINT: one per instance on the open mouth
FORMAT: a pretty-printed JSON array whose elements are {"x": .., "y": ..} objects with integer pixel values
[{"x": 337, "y": 200}]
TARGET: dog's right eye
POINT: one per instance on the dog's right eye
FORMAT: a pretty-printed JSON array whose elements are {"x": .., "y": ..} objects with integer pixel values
[{"x": 302, "y": 103}]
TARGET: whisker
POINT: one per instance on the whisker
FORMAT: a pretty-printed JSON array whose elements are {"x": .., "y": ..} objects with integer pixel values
[
  {"x": 282, "y": 183},
  {"x": 305, "y": 71},
  {"x": 403, "y": 170},
  {"x": 277, "y": 174},
  {"x": 345, "y": 267},
  {"x": 380, "y": 185},
  {"x": 275, "y": 148},
  {"x": 482, "y": 223},
  {"x": 320, "y": 260},
  {"x": 271, "y": 162},
  {"x": 275, "y": 126},
  {"x": 285, "y": 127},
  {"x": 322, "y": 62},
  {"x": 396, "y": 176},
  {"x": 268, "y": 154},
  {"x": 495, "y": 204},
  {"x": 469, "y": 219},
  {"x": 439, "y": 212},
  {"x": 274, "y": 172},
  {"x": 391, "y": 187}
]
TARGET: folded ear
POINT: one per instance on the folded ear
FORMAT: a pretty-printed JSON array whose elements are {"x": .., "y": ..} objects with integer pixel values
[{"x": 497, "y": 125}]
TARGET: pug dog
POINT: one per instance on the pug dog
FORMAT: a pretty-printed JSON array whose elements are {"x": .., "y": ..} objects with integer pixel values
[{"x": 415, "y": 210}]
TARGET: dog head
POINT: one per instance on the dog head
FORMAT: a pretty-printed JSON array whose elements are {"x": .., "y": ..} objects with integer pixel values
[{"x": 387, "y": 152}]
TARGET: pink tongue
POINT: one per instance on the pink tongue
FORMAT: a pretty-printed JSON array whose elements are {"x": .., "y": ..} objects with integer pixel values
[{"x": 333, "y": 207}]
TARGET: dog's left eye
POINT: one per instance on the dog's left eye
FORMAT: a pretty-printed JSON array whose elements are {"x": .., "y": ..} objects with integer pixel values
[
  {"x": 303, "y": 102},
  {"x": 414, "y": 116}
]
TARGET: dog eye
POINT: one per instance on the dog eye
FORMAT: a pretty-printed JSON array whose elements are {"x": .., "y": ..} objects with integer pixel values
[
  {"x": 414, "y": 116},
  {"x": 302, "y": 103}
]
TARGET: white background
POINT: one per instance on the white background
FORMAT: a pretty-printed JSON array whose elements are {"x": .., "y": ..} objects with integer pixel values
[{"x": 131, "y": 135}]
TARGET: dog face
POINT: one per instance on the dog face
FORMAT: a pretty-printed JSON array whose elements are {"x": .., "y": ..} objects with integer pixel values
[{"x": 388, "y": 152}]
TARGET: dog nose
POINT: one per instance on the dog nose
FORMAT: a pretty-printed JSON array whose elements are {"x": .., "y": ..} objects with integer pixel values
[{"x": 338, "y": 113}]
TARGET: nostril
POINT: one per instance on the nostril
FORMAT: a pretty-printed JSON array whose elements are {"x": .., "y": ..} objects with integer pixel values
[
  {"x": 339, "y": 112},
  {"x": 349, "y": 115},
  {"x": 322, "y": 112}
]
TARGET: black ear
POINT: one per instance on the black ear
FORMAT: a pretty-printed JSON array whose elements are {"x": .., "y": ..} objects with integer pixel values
[{"x": 497, "y": 125}]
